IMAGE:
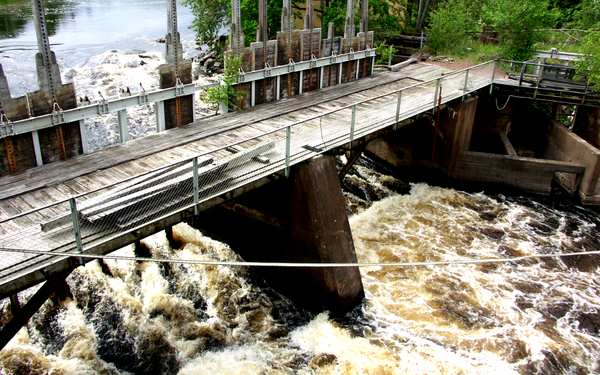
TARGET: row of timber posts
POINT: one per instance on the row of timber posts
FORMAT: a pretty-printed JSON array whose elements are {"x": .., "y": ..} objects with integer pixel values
[
  {"x": 19, "y": 152},
  {"x": 60, "y": 142},
  {"x": 293, "y": 45}
]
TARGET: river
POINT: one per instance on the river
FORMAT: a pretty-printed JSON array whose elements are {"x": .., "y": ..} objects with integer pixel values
[
  {"x": 537, "y": 317},
  {"x": 80, "y": 30}
]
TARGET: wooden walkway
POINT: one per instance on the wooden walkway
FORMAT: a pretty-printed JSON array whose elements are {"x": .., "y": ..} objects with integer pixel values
[{"x": 327, "y": 124}]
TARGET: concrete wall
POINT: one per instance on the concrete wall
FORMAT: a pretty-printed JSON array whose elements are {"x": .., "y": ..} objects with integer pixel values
[{"x": 567, "y": 146}]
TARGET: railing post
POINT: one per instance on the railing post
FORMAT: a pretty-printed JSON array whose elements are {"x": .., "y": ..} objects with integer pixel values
[
  {"x": 196, "y": 186},
  {"x": 493, "y": 75},
  {"x": 398, "y": 107},
  {"x": 438, "y": 82},
  {"x": 352, "y": 125},
  {"x": 278, "y": 88},
  {"x": 288, "y": 144},
  {"x": 76, "y": 226},
  {"x": 321, "y": 77},
  {"x": 466, "y": 86}
]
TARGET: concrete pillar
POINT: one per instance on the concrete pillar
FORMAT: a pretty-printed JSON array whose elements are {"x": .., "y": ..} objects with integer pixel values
[
  {"x": 84, "y": 138},
  {"x": 37, "y": 149},
  {"x": 123, "y": 125},
  {"x": 304, "y": 219},
  {"x": 159, "y": 109},
  {"x": 301, "y": 83},
  {"x": 587, "y": 125},
  {"x": 320, "y": 232}
]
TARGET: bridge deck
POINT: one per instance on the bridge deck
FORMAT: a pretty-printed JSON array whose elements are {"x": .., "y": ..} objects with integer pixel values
[{"x": 328, "y": 118}]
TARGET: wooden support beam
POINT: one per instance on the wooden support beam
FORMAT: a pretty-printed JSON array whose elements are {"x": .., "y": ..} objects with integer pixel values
[
  {"x": 354, "y": 155},
  {"x": 10, "y": 329},
  {"x": 254, "y": 214},
  {"x": 510, "y": 150},
  {"x": 10, "y": 155}
]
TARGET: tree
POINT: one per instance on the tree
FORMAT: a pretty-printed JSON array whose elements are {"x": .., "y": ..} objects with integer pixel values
[
  {"x": 449, "y": 27},
  {"x": 517, "y": 23},
  {"x": 225, "y": 93},
  {"x": 210, "y": 17},
  {"x": 590, "y": 65}
]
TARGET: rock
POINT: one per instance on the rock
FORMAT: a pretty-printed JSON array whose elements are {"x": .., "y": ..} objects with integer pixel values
[
  {"x": 493, "y": 233},
  {"x": 322, "y": 360}
]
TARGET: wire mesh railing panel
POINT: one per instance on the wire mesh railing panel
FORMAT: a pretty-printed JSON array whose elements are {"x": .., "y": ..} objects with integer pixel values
[{"x": 86, "y": 221}]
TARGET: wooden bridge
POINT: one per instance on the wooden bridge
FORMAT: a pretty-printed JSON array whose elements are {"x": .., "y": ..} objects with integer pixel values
[{"x": 100, "y": 202}]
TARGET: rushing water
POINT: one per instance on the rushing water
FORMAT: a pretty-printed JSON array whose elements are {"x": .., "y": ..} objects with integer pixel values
[{"x": 538, "y": 317}]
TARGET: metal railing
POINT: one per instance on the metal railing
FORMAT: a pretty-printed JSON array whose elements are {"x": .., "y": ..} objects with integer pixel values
[
  {"x": 554, "y": 79},
  {"x": 85, "y": 222},
  {"x": 117, "y": 104}
]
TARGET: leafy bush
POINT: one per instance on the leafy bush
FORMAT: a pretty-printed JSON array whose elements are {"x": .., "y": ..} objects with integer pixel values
[
  {"x": 590, "y": 65},
  {"x": 225, "y": 93},
  {"x": 517, "y": 23},
  {"x": 385, "y": 53},
  {"x": 449, "y": 27}
]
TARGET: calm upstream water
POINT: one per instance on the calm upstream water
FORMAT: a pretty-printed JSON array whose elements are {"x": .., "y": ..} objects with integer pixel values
[
  {"x": 80, "y": 30},
  {"x": 531, "y": 318}
]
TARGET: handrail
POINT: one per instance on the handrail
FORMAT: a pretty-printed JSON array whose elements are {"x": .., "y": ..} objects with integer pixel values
[{"x": 248, "y": 139}]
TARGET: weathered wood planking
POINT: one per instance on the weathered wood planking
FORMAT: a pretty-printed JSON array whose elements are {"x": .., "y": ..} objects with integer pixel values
[{"x": 311, "y": 133}]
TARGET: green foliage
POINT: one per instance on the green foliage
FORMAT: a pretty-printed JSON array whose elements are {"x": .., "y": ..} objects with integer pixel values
[
  {"x": 249, "y": 12},
  {"x": 517, "y": 23},
  {"x": 336, "y": 13},
  {"x": 225, "y": 93},
  {"x": 449, "y": 26},
  {"x": 385, "y": 53},
  {"x": 587, "y": 15},
  {"x": 210, "y": 16},
  {"x": 590, "y": 65}
]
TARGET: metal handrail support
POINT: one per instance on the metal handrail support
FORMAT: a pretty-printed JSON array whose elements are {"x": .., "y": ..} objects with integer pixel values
[
  {"x": 196, "y": 186},
  {"x": 288, "y": 127},
  {"x": 76, "y": 227}
]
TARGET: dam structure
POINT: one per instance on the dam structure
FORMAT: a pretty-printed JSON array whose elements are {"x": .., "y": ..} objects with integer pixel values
[{"x": 269, "y": 166}]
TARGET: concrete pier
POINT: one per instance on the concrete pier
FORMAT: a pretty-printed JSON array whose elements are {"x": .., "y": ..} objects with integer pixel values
[{"x": 299, "y": 219}]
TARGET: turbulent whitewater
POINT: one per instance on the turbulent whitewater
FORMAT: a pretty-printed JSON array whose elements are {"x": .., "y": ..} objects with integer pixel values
[{"x": 538, "y": 317}]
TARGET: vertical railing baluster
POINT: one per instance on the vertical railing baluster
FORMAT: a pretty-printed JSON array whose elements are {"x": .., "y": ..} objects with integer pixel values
[
  {"x": 76, "y": 227},
  {"x": 288, "y": 144},
  {"x": 438, "y": 82},
  {"x": 352, "y": 125},
  {"x": 466, "y": 86},
  {"x": 493, "y": 76},
  {"x": 196, "y": 186},
  {"x": 398, "y": 104}
]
